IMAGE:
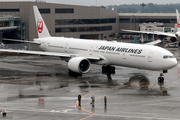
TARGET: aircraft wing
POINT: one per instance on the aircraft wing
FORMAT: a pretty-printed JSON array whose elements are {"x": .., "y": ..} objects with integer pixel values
[
  {"x": 154, "y": 42},
  {"x": 8, "y": 28},
  {"x": 166, "y": 34},
  {"x": 23, "y": 41},
  {"x": 155, "y": 32},
  {"x": 67, "y": 55},
  {"x": 134, "y": 31}
]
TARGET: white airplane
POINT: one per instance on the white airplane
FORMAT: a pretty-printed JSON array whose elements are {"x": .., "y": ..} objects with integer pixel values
[
  {"x": 174, "y": 37},
  {"x": 81, "y": 53}
]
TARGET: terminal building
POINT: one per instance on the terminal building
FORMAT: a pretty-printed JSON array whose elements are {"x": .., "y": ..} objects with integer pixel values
[{"x": 74, "y": 21}]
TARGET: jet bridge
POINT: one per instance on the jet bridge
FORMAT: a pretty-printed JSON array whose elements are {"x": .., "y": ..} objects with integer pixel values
[{"x": 11, "y": 27}]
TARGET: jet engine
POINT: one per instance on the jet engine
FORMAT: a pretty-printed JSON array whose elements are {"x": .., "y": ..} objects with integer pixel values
[
  {"x": 173, "y": 39},
  {"x": 79, "y": 65}
]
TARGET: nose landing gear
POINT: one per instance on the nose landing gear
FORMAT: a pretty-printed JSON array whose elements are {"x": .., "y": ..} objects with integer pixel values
[
  {"x": 161, "y": 80},
  {"x": 161, "y": 84}
]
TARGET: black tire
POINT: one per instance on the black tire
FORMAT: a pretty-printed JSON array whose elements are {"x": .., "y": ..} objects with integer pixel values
[
  {"x": 103, "y": 67},
  {"x": 113, "y": 68},
  {"x": 4, "y": 114}
]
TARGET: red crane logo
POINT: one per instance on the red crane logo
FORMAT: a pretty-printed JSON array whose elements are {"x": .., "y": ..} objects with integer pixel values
[
  {"x": 178, "y": 23},
  {"x": 40, "y": 26}
]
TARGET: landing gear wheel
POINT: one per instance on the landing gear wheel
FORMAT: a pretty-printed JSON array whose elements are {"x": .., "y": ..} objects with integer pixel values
[
  {"x": 3, "y": 114},
  {"x": 160, "y": 80},
  {"x": 161, "y": 84},
  {"x": 108, "y": 70}
]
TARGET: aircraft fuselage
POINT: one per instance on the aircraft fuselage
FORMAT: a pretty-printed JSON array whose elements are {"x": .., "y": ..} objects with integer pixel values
[{"x": 113, "y": 53}]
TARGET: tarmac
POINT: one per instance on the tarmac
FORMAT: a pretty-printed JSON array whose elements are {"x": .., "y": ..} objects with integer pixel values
[{"x": 39, "y": 88}]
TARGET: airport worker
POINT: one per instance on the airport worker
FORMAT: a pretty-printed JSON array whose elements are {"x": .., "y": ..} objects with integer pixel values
[
  {"x": 79, "y": 99},
  {"x": 93, "y": 99},
  {"x": 105, "y": 100}
]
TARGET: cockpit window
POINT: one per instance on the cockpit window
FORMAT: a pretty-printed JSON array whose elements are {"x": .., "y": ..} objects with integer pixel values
[
  {"x": 166, "y": 57},
  {"x": 171, "y": 56}
]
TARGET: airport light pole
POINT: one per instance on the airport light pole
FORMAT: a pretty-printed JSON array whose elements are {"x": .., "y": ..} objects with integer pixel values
[{"x": 143, "y": 5}]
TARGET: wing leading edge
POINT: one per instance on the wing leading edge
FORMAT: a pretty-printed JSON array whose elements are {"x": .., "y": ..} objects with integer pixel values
[{"x": 94, "y": 58}]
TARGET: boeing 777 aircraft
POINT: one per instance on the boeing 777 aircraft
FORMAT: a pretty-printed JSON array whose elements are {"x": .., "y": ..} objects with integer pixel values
[
  {"x": 174, "y": 37},
  {"x": 80, "y": 54}
]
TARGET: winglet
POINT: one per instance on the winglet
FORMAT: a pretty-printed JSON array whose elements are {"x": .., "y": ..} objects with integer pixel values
[{"x": 40, "y": 24}]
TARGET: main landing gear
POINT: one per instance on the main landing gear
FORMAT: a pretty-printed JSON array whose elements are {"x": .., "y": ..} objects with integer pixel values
[{"x": 108, "y": 70}]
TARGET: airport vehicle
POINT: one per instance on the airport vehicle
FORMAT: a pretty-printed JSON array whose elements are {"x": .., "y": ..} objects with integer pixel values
[
  {"x": 81, "y": 53},
  {"x": 174, "y": 37}
]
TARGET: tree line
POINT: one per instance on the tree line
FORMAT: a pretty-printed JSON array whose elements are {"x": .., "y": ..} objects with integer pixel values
[{"x": 149, "y": 8}]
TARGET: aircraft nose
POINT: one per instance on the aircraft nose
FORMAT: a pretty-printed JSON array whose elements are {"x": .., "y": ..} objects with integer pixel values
[
  {"x": 173, "y": 63},
  {"x": 170, "y": 63}
]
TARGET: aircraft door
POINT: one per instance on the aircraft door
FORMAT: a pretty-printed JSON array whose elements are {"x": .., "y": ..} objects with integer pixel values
[
  {"x": 124, "y": 56},
  {"x": 66, "y": 48},
  {"x": 150, "y": 55},
  {"x": 90, "y": 50}
]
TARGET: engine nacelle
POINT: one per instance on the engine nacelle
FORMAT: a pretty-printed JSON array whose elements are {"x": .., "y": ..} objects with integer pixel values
[
  {"x": 79, "y": 65},
  {"x": 173, "y": 39}
]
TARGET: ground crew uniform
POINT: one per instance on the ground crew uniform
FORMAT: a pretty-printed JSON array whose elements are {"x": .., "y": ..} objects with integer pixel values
[
  {"x": 79, "y": 99},
  {"x": 105, "y": 100},
  {"x": 93, "y": 99}
]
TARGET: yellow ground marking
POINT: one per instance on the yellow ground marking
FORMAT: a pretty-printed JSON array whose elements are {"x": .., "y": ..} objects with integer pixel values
[{"x": 148, "y": 85}]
